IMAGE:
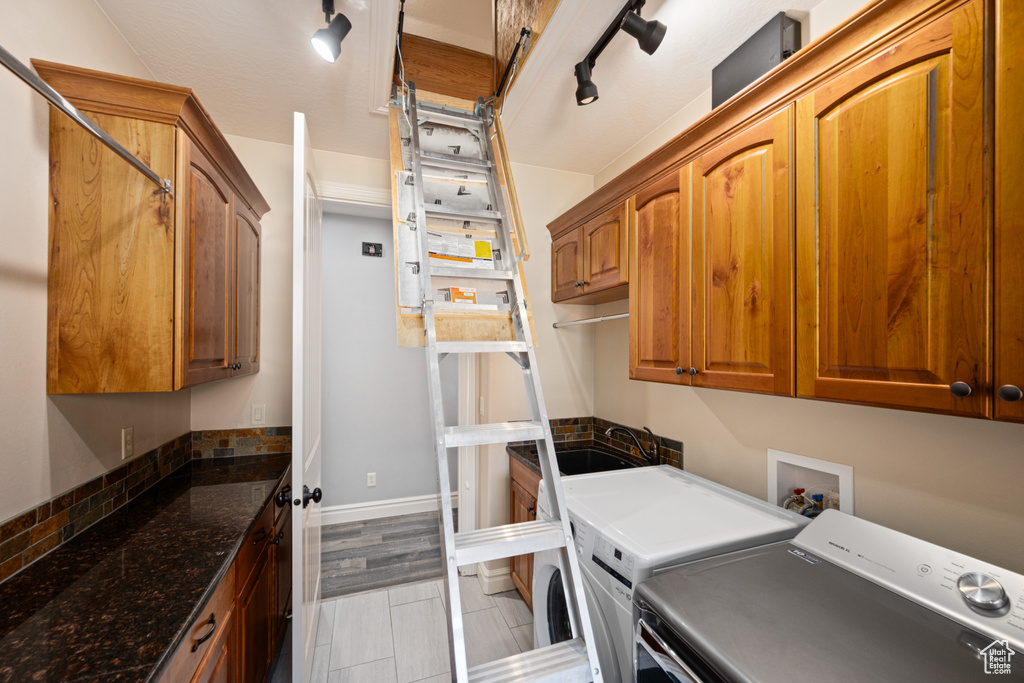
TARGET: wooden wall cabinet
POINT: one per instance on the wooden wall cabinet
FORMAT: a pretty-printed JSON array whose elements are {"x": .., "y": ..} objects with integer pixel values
[
  {"x": 659, "y": 291},
  {"x": 742, "y": 261},
  {"x": 147, "y": 292},
  {"x": 523, "y": 508},
  {"x": 894, "y": 252},
  {"x": 589, "y": 264},
  {"x": 1009, "y": 213}
]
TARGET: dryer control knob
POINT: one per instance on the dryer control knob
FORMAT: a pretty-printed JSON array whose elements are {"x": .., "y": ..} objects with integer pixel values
[{"x": 982, "y": 591}]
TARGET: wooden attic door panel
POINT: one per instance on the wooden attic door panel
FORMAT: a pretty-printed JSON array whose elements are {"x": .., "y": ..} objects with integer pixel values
[
  {"x": 207, "y": 270},
  {"x": 893, "y": 268},
  {"x": 659, "y": 299},
  {"x": 111, "y": 266},
  {"x": 247, "y": 289},
  {"x": 743, "y": 292},
  {"x": 605, "y": 245},
  {"x": 566, "y": 266}
]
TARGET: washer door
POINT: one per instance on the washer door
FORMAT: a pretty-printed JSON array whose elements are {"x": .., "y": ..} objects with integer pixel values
[{"x": 551, "y": 615}]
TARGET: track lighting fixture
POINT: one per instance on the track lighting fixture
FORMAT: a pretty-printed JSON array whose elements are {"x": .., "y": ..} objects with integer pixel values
[
  {"x": 648, "y": 34},
  {"x": 586, "y": 91},
  {"x": 327, "y": 41}
]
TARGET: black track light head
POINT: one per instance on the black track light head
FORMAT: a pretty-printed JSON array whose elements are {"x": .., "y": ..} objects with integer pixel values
[
  {"x": 586, "y": 91},
  {"x": 327, "y": 41},
  {"x": 648, "y": 33}
]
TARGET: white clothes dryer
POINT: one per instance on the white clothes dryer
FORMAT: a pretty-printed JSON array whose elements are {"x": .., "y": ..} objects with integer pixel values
[{"x": 630, "y": 525}]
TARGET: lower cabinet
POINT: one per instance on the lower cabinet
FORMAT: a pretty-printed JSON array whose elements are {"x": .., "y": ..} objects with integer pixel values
[
  {"x": 236, "y": 635},
  {"x": 255, "y": 617},
  {"x": 523, "y": 508}
]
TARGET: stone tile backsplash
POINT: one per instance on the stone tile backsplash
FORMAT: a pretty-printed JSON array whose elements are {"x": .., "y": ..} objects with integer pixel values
[
  {"x": 568, "y": 429},
  {"x": 221, "y": 443},
  {"x": 28, "y": 536}
]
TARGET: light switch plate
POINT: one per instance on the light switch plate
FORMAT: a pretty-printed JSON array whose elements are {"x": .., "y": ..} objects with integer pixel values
[{"x": 259, "y": 414}]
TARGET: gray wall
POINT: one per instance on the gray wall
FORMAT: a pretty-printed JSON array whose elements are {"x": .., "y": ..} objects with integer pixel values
[{"x": 376, "y": 409}]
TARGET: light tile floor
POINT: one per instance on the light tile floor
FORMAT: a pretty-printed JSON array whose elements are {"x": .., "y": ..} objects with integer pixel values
[{"x": 400, "y": 634}]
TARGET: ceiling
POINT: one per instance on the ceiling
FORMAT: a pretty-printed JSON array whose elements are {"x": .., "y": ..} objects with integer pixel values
[
  {"x": 251, "y": 64},
  {"x": 637, "y": 92}
]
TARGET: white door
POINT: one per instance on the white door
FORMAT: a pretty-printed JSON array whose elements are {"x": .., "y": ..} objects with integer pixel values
[{"x": 306, "y": 399}]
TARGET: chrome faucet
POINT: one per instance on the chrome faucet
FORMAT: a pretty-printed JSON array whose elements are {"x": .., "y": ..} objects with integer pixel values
[{"x": 652, "y": 456}]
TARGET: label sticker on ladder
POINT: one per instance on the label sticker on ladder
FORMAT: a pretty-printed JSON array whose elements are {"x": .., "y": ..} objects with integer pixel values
[{"x": 462, "y": 251}]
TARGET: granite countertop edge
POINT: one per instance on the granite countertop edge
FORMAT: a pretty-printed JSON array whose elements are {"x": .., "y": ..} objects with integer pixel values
[{"x": 165, "y": 658}]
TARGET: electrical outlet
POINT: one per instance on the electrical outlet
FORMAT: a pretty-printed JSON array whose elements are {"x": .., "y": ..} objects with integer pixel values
[
  {"x": 371, "y": 479},
  {"x": 127, "y": 442},
  {"x": 259, "y": 414}
]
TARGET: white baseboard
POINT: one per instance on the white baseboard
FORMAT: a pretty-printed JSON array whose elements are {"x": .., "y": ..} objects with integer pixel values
[
  {"x": 357, "y": 512},
  {"x": 495, "y": 579}
]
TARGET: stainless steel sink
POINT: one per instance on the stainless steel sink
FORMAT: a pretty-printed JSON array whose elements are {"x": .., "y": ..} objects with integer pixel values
[{"x": 587, "y": 460}]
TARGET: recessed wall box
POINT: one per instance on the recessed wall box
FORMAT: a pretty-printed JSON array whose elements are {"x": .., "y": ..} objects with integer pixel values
[{"x": 373, "y": 249}]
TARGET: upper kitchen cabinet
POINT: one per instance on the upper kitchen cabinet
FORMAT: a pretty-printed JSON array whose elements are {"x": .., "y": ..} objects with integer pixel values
[
  {"x": 893, "y": 248},
  {"x": 147, "y": 291},
  {"x": 742, "y": 268},
  {"x": 1009, "y": 212},
  {"x": 659, "y": 292},
  {"x": 589, "y": 264}
]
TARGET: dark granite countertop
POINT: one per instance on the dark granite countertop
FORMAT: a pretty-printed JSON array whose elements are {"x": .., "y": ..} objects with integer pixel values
[
  {"x": 526, "y": 453},
  {"x": 114, "y": 603}
]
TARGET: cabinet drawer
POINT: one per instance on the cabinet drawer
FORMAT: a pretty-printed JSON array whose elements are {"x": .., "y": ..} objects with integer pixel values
[
  {"x": 212, "y": 622},
  {"x": 254, "y": 544}
]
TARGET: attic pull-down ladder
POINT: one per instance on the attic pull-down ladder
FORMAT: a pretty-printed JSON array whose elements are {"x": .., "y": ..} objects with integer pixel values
[{"x": 457, "y": 213}]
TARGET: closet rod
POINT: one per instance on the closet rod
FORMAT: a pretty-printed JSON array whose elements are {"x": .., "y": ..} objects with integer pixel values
[
  {"x": 587, "y": 321},
  {"x": 55, "y": 98}
]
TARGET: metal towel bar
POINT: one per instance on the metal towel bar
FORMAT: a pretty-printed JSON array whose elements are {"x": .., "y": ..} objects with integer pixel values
[
  {"x": 587, "y": 321},
  {"x": 56, "y": 99}
]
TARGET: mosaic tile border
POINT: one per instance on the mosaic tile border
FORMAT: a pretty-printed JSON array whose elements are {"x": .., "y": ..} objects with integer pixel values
[
  {"x": 28, "y": 536},
  {"x": 226, "y": 443},
  {"x": 670, "y": 451}
]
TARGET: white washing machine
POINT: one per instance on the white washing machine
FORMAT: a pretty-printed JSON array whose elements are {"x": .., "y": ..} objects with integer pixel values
[{"x": 630, "y": 525}]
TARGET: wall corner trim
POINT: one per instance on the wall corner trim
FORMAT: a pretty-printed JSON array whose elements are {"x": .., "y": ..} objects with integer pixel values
[{"x": 495, "y": 579}]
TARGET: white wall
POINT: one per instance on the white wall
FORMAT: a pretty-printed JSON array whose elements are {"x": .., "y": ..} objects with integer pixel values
[
  {"x": 51, "y": 445},
  {"x": 376, "y": 404}
]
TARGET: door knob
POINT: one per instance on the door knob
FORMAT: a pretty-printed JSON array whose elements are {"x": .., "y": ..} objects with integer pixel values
[
  {"x": 316, "y": 495},
  {"x": 282, "y": 496},
  {"x": 1010, "y": 393},
  {"x": 960, "y": 389}
]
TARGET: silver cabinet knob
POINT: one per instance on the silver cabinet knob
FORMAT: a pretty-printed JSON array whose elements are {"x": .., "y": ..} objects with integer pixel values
[
  {"x": 679, "y": 371},
  {"x": 982, "y": 591},
  {"x": 1010, "y": 393},
  {"x": 693, "y": 371},
  {"x": 960, "y": 389}
]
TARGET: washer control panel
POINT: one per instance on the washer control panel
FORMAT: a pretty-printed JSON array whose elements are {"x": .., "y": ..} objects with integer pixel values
[{"x": 972, "y": 592}]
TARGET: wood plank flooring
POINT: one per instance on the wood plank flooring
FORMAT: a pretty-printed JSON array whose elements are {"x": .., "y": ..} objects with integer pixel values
[{"x": 379, "y": 553}]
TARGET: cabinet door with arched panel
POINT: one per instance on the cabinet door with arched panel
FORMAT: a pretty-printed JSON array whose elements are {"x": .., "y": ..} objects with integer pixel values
[
  {"x": 893, "y": 247},
  {"x": 742, "y": 261},
  {"x": 659, "y": 290}
]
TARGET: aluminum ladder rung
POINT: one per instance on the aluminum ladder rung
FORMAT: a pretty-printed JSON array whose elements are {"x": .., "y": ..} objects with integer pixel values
[
  {"x": 503, "y": 432},
  {"x": 481, "y": 347},
  {"x": 448, "y": 117},
  {"x": 471, "y": 273},
  {"x": 509, "y": 540},
  {"x": 437, "y": 160},
  {"x": 442, "y": 211},
  {"x": 565, "y": 662}
]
